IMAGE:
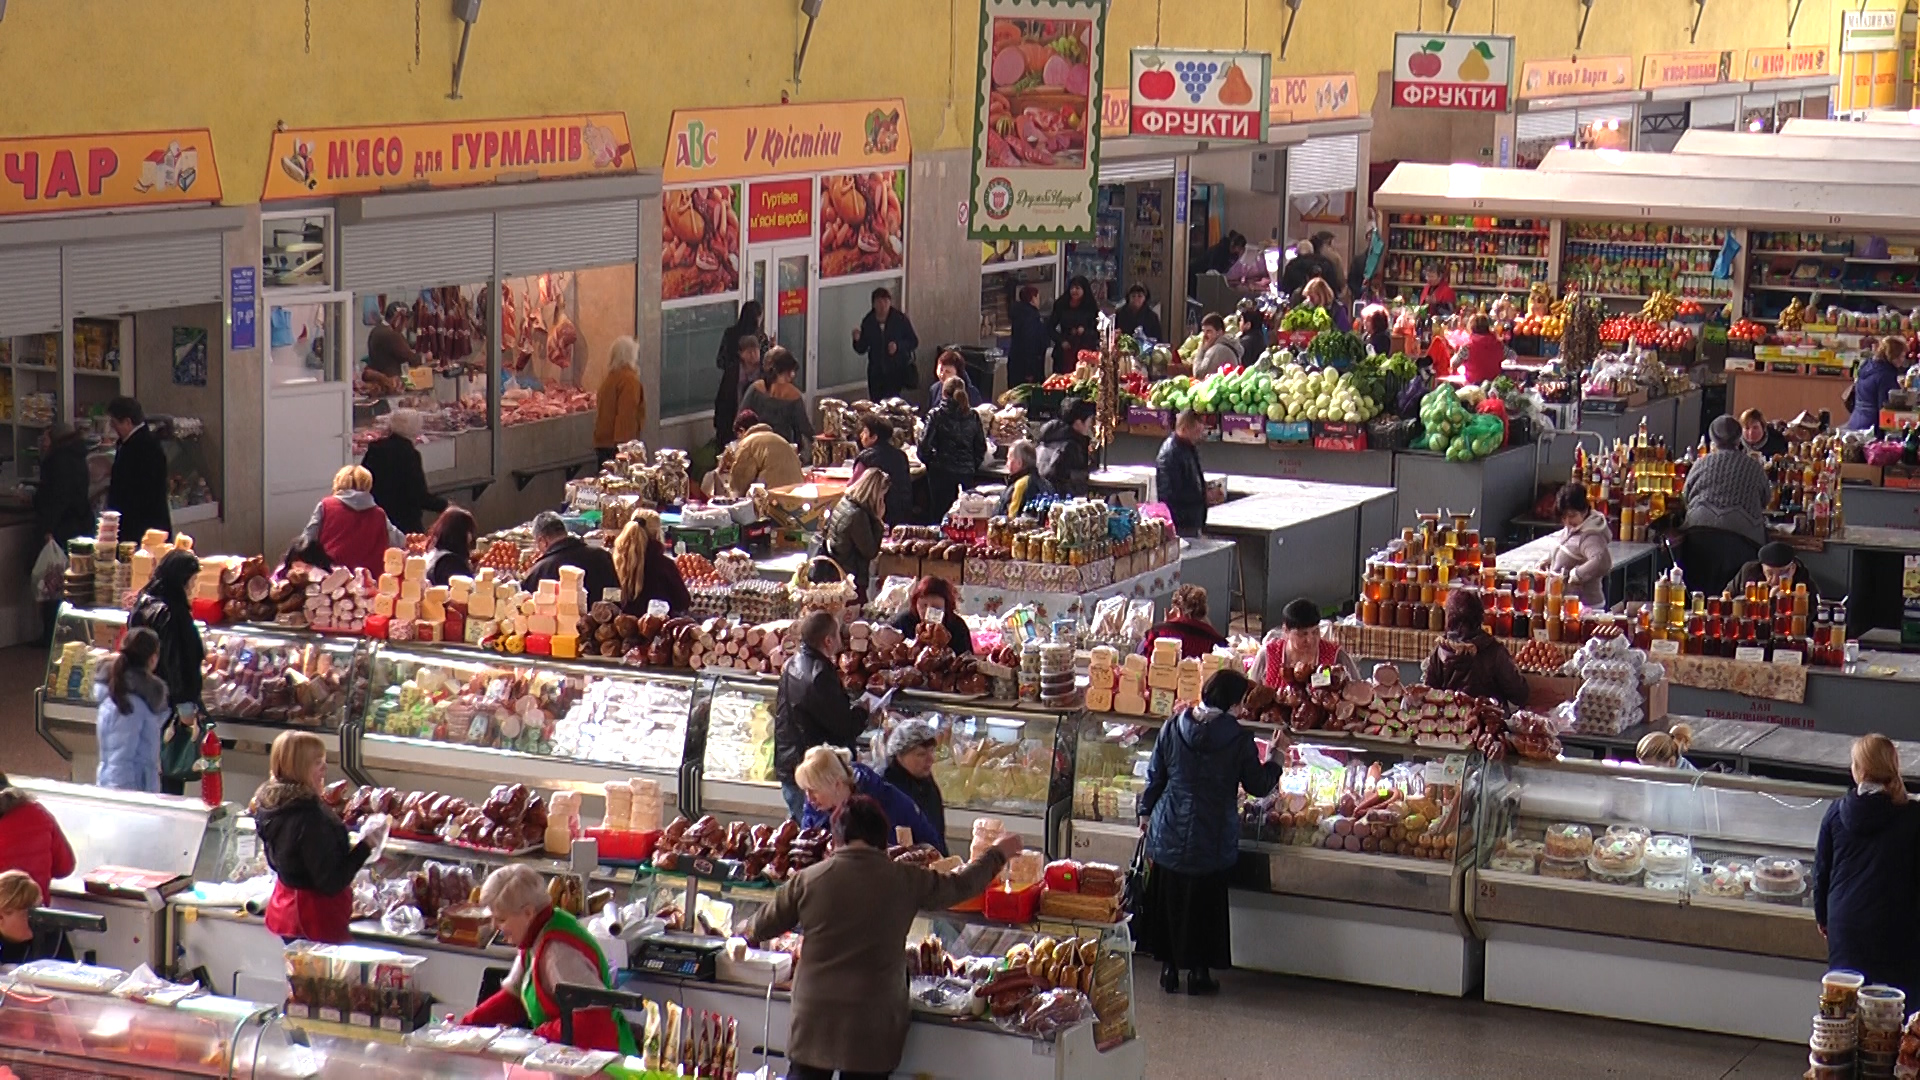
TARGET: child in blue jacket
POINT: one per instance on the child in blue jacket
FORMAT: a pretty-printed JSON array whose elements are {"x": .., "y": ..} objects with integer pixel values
[{"x": 133, "y": 709}]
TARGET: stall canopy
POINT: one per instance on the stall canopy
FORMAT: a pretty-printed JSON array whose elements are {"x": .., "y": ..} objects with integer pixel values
[
  {"x": 1802, "y": 127},
  {"x": 1802, "y": 147},
  {"x": 1713, "y": 167},
  {"x": 1729, "y": 203}
]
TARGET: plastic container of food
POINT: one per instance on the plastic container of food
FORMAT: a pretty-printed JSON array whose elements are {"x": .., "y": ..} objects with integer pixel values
[
  {"x": 1725, "y": 879},
  {"x": 1668, "y": 855},
  {"x": 1568, "y": 841},
  {"x": 1513, "y": 864},
  {"x": 1777, "y": 876},
  {"x": 1617, "y": 855},
  {"x": 1667, "y": 883},
  {"x": 1564, "y": 869}
]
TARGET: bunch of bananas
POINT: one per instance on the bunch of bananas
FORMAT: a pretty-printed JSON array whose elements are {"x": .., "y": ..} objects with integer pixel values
[
  {"x": 1795, "y": 316},
  {"x": 1662, "y": 306},
  {"x": 1540, "y": 298}
]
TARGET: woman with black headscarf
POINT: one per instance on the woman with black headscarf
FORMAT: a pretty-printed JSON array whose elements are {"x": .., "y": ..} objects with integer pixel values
[
  {"x": 726, "y": 400},
  {"x": 163, "y": 608},
  {"x": 1075, "y": 324}
]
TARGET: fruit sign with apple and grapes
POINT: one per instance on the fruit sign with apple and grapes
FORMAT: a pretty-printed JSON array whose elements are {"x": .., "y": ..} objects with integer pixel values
[
  {"x": 1464, "y": 72},
  {"x": 1219, "y": 97}
]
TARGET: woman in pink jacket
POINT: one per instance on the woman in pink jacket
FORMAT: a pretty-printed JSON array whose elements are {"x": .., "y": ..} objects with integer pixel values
[{"x": 1580, "y": 548}]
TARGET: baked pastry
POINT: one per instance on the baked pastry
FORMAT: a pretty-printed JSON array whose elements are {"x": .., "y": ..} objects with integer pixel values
[
  {"x": 1568, "y": 841},
  {"x": 1617, "y": 855},
  {"x": 1564, "y": 869},
  {"x": 1777, "y": 876},
  {"x": 1669, "y": 856}
]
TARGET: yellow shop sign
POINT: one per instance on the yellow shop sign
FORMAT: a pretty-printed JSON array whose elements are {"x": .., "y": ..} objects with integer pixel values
[
  {"x": 706, "y": 146},
  {"x": 318, "y": 162}
]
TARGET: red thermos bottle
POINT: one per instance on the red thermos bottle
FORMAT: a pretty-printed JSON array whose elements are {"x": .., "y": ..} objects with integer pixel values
[{"x": 212, "y": 791}]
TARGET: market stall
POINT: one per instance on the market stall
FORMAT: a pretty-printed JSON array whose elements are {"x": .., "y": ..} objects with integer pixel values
[{"x": 1332, "y": 523}]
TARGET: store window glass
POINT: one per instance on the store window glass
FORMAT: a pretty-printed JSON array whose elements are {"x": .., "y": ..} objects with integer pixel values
[
  {"x": 174, "y": 362},
  {"x": 841, "y": 309},
  {"x": 689, "y": 343},
  {"x": 293, "y": 251},
  {"x": 424, "y": 349},
  {"x": 544, "y": 350},
  {"x": 297, "y": 338}
]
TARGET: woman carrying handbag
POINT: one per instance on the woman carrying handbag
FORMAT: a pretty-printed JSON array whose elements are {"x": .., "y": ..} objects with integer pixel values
[{"x": 162, "y": 607}]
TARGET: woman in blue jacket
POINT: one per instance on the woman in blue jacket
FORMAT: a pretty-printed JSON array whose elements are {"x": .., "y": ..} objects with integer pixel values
[
  {"x": 1866, "y": 872},
  {"x": 1191, "y": 818},
  {"x": 829, "y": 777},
  {"x": 1878, "y": 378},
  {"x": 133, "y": 708}
]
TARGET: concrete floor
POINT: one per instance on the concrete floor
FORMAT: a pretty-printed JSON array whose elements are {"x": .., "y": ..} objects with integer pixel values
[{"x": 1269, "y": 1026}]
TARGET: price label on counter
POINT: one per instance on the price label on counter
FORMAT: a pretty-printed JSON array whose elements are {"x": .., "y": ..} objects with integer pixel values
[
  {"x": 1752, "y": 654},
  {"x": 1787, "y": 658},
  {"x": 1667, "y": 647}
]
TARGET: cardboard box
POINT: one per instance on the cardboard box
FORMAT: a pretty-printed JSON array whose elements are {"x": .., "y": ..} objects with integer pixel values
[
  {"x": 1292, "y": 431},
  {"x": 1546, "y": 691},
  {"x": 1339, "y": 436},
  {"x": 886, "y": 566},
  {"x": 1243, "y": 428},
  {"x": 1142, "y": 420},
  {"x": 1871, "y": 475},
  {"x": 953, "y": 570}
]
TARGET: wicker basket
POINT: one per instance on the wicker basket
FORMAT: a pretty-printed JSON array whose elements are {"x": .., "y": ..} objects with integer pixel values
[{"x": 830, "y": 596}]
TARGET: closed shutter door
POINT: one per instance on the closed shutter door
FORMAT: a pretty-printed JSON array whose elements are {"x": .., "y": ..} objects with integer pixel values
[
  {"x": 1713, "y": 112},
  {"x": 1132, "y": 170},
  {"x": 146, "y": 274},
  {"x": 1557, "y": 124},
  {"x": 1619, "y": 115},
  {"x": 423, "y": 253},
  {"x": 29, "y": 291},
  {"x": 551, "y": 238},
  {"x": 1323, "y": 166}
]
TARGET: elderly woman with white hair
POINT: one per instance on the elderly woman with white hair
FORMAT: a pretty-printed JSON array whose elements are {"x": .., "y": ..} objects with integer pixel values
[
  {"x": 1023, "y": 479},
  {"x": 623, "y": 402},
  {"x": 399, "y": 479},
  {"x": 554, "y": 948}
]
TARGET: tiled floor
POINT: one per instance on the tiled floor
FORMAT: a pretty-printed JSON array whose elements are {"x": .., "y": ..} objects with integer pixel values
[{"x": 1268, "y": 1026}]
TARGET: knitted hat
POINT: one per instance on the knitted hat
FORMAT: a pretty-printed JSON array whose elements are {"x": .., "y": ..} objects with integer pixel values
[
  {"x": 1776, "y": 555},
  {"x": 909, "y": 735},
  {"x": 1725, "y": 432}
]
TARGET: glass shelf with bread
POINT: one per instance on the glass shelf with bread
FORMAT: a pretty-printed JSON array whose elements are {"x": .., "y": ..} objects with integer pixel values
[
  {"x": 66, "y": 1019},
  {"x": 1728, "y": 858}
]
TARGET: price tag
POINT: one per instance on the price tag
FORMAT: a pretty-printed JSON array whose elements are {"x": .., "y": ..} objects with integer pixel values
[
  {"x": 389, "y": 1023},
  {"x": 1540, "y": 634},
  {"x": 1664, "y": 648},
  {"x": 1454, "y": 769},
  {"x": 329, "y": 1015},
  {"x": 1140, "y": 768},
  {"x": 1751, "y": 654},
  {"x": 1787, "y": 658},
  {"x": 1322, "y": 679}
]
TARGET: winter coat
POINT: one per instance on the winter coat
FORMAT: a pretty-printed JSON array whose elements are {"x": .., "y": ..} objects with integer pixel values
[
  {"x": 1224, "y": 353},
  {"x": 1478, "y": 665},
  {"x": 1200, "y": 762},
  {"x": 130, "y": 737},
  {"x": 764, "y": 456},
  {"x": 891, "y": 460},
  {"x": 1019, "y": 492},
  {"x": 138, "y": 487},
  {"x": 62, "y": 507},
  {"x": 352, "y": 529},
  {"x": 1138, "y": 323},
  {"x": 1584, "y": 551},
  {"x": 1774, "y": 442},
  {"x": 925, "y": 794},
  {"x": 954, "y": 443},
  {"x": 1876, "y": 380},
  {"x": 1026, "y": 345},
  {"x": 849, "y": 1007},
  {"x": 900, "y": 807},
  {"x": 811, "y": 709},
  {"x": 31, "y": 840},
  {"x": 181, "y": 651},
  {"x": 960, "y": 634},
  {"x": 974, "y": 396},
  {"x": 888, "y": 372},
  {"x": 1179, "y": 482},
  {"x": 660, "y": 581},
  {"x": 782, "y": 408},
  {"x": 1073, "y": 329},
  {"x": 1866, "y": 888},
  {"x": 400, "y": 482},
  {"x": 622, "y": 408},
  {"x": 443, "y": 566},
  {"x": 1484, "y": 355},
  {"x": 1197, "y": 637},
  {"x": 314, "y": 860},
  {"x": 853, "y": 539},
  {"x": 573, "y": 551},
  {"x": 1066, "y": 458},
  {"x": 1728, "y": 490}
]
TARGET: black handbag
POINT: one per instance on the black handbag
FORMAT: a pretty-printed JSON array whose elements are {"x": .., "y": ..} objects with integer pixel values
[
  {"x": 180, "y": 748},
  {"x": 1134, "y": 897}
]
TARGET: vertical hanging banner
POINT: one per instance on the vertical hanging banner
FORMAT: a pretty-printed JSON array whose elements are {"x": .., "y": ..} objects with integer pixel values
[{"x": 1036, "y": 136}]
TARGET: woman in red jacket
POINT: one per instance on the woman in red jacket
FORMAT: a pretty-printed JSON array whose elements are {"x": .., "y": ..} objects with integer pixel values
[
  {"x": 1187, "y": 622},
  {"x": 1480, "y": 361},
  {"x": 31, "y": 840},
  {"x": 350, "y": 527}
]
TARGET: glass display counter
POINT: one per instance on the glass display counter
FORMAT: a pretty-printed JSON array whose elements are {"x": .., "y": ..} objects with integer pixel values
[
  {"x": 1646, "y": 894},
  {"x": 59, "y": 1020}
]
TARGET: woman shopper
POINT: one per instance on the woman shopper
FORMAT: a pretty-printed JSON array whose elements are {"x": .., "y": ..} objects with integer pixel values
[
  {"x": 621, "y": 401},
  {"x": 647, "y": 573},
  {"x": 1024, "y": 482},
  {"x": 1866, "y": 872},
  {"x": 1481, "y": 360},
  {"x": 552, "y": 947},
  {"x": 928, "y": 594},
  {"x": 1298, "y": 640},
  {"x": 857, "y": 525},
  {"x": 313, "y": 858},
  {"x": 450, "y": 546},
  {"x": 1075, "y": 324},
  {"x": 910, "y": 752},
  {"x": 952, "y": 448},
  {"x": 398, "y": 479},
  {"x": 1580, "y": 548},
  {"x": 352, "y": 528},
  {"x": 1066, "y": 449},
  {"x": 828, "y": 776},
  {"x": 848, "y": 1010},
  {"x": 1187, "y": 624},
  {"x": 1027, "y": 338},
  {"x": 1189, "y": 813},
  {"x": 726, "y": 398},
  {"x": 1667, "y": 749},
  {"x": 1469, "y": 659},
  {"x": 1878, "y": 378},
  {"x": 31, "y": 841},
  {"x": 779, "y": 403},
  {"x": 163, "y": 608},
  {"x": 133, "y": 709}
]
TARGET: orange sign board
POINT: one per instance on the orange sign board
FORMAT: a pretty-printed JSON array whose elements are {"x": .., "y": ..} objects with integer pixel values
[
  {"x": 1303, "y": 99},
  {"x": 107, "y": 172},
  {"x": 709, "y": 146},
  {"x": 1115, "y": 113},
  {"x": 1803, "y": 62},
  {"x": 1580, "y": 75},
  {"x": 319, "y": 162},
  {"x": 1662, "y": 70}
]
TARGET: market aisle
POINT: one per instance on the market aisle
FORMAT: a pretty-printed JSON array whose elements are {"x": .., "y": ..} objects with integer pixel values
[
  {"x": 1271, "y": 1026},
  {"x": 21, "y": 749}
]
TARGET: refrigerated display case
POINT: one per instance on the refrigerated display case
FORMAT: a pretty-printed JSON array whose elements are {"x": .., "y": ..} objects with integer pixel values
[
  {"x": 1653, "y": 895},
  {"x": 58, "y": 1020}
]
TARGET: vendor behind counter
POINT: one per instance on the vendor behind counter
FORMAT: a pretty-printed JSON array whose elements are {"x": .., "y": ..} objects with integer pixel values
[
  {"x": 1779, "y": 570},
  {"x": 932, "y": 594}
]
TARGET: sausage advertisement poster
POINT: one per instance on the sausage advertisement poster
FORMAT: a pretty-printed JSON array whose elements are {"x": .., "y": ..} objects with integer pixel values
[
  {"x": 862, "y": 222},
  {"x": 1036, "y": 140},
  {"x": 699, "y": 241}
]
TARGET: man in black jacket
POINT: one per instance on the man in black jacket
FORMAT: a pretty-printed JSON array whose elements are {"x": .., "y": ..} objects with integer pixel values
[
  {"x": 878, "y": 452},
  {"x": 811, "y": 708},
  {"x": 1179, "y": 482},
  {"x": 887, "y": 340},
  {"x": 399, "y": 479},
  {"x": 1066, "y": 449},
  {"x": 559, "y": 548},
  {"x": 138, "y": 488},
  {"x": 62, "y": 508},
  {"x": 1028, "y": 340}
]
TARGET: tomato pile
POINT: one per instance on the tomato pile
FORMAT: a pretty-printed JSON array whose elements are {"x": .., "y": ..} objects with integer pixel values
[{"x": 1747, "y": 330}]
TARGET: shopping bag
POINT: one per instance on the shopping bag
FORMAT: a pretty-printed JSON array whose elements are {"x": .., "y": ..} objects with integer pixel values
[
  {"x": 180, "y": 749},
  {"x": 49, "y": 573}
]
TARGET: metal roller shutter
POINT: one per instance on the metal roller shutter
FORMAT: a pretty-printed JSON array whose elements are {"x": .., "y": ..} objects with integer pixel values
[
  {"x": 1557, "y": 124},
  {"x": 422, "y": 253},
  {"x": 576, "y": 237},
  {"x": 1324, "y": 165},
  {"x": 1623, "y": 114},
  {"x": 1713, "y": 112},
  {"x": 146, "y": 274},
  {"x": 1130, "y": 170},
  {"x": 29, "y": 291}
]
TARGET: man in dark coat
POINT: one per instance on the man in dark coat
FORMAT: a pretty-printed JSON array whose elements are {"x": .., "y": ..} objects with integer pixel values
[
  {"x": 138, "y": 488},
  {"x": 559, "y": 548},
  {"x": 399, "y": 479},
  {"x": 1028, "y": 339},
  {"x": 1179, "y": 482},
  {"x": 878, "y": 452},
  {"x": 887, "y": 340},
  {"x": 1066, "y": 449},
  {"x": 811, "y": 708},
  {"x": 61, "y": 506}
]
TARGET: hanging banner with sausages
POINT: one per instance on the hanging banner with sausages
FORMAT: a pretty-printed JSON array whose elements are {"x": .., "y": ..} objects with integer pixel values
[
  {"x": 1036, "y": 137},
  {"x": 107, "y": 172},
  {"x": 320, "y": 162}
]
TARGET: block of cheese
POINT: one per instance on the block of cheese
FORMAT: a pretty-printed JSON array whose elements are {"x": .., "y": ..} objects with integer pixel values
[
  {"x": 459, "y": 588},
  {"x": 480, "y": 605},
  {"x": 416, "y": 567},
  {"x": 479, "y": 630},
  {"x": 1100, "y": 700},
  {"x": 410, "y": 588},
  {"x": 1162, "y": 678},
  {"x": 389, "y": 585},
  {"x": 383, "y": 604},
  {"x": 405, "y": 610},
  {"x": 549, "y": 591},
  {"x": 571, "y": 578},
  {"x": 1130, "y": 704},
  {"x": 542, "y": 624},
  {"x": 565, "y": 646},
  {"x": 394, "y": 562},
  {"x": 181, "y": 541}
]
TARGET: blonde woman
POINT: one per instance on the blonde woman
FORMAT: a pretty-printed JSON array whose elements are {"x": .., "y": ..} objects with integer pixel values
[
  {"x": 1866, "y": 872},
  {"x": 622, "y": 400},
  {"x": 646, "y": 571},
  {"x": 19, "y": 940},
  {"x": 856, "y": 526},
  {"x": 828, "y": 776},
  {"x": 349, "y": 526},
  {"x": 313, "y": 857},
  {"x": 1667, "y": 749}
]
